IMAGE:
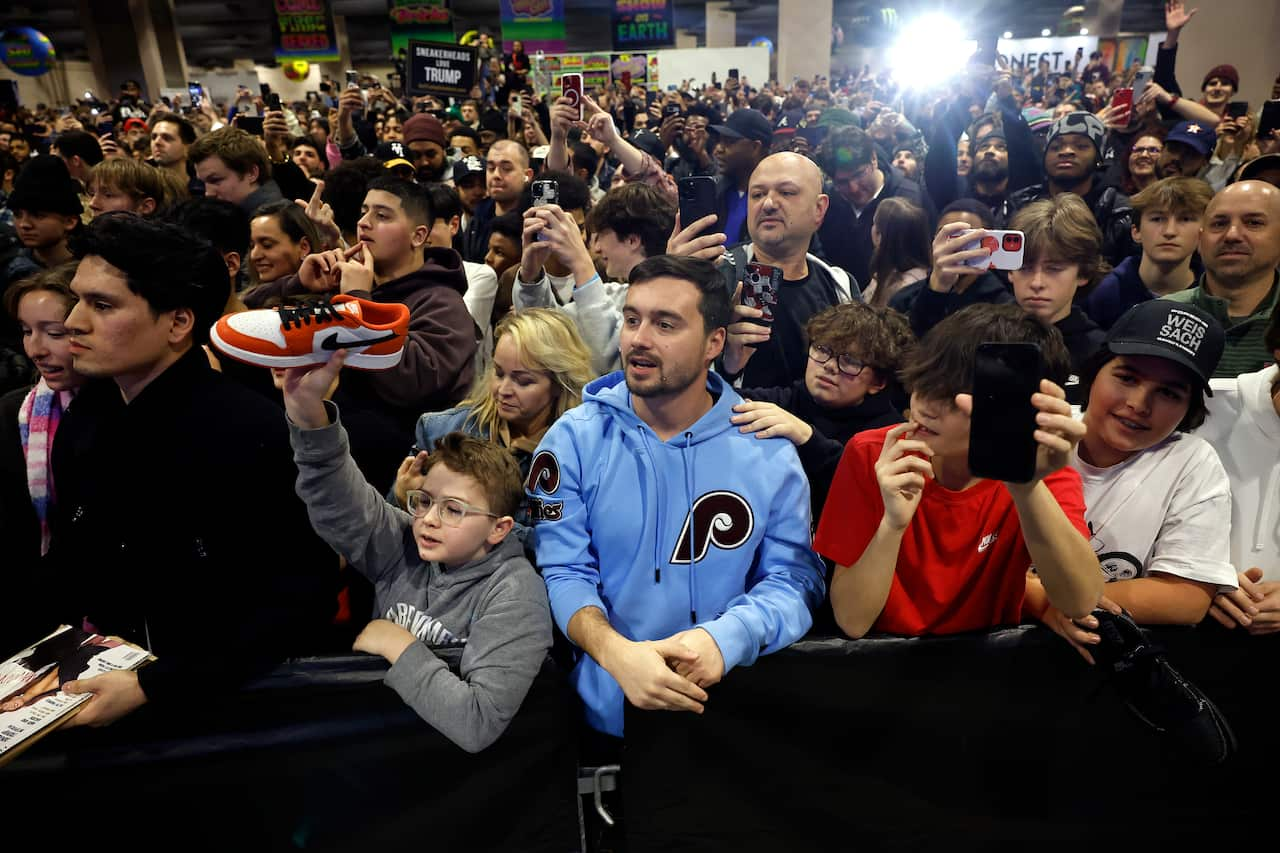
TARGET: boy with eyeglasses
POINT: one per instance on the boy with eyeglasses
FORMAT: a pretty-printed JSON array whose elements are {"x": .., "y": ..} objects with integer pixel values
[
  {"x": 446, "y": 573},
  {"x": 855, "y": 351}
]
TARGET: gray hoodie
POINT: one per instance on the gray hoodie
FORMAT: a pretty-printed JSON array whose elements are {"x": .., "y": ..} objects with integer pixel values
[{"x": 495, "y": 608}]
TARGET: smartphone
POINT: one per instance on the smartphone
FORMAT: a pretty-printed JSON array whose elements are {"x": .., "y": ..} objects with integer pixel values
[
  {"x": 1006, "y": 250},
  {"x": 1002, "y": 443},
  {"x": 264, "y": 89},
  {"x": 733, "y": 74},
  {"x": 1270, "y": 119},
  {"x": 571, "y": 88},
  {"x": 194, "y": 92},
  {"x": 1238, "y": 109},
  {"x": 272, "y": 100},
  {"x": 626, "y": 82},
  {"x": 760, "y": 285},
  {"x": 517, "y": 106},
  {"x": 353, "y": 79},
  {"x": 1123, "y": 99},
  {"x": 545, "y": 192},
  {"x": 697, "y": 196},
  {"x": 249, "y": 124},
  {"x": 1141, "y": 80},
  {"x": 671, "y": 110}
]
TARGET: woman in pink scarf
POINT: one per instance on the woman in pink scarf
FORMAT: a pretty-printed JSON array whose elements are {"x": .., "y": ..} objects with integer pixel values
[{"x": 40, "y": 304}]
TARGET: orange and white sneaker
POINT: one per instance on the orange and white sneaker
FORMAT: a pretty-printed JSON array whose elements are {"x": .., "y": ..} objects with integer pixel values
[{"x": 372, "y": 333}]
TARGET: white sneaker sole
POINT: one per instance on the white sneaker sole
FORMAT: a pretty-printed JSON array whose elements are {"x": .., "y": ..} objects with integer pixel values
[{"x": 357, "y": 360}]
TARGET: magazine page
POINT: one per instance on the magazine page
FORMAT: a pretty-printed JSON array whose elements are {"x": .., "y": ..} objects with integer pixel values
[{"x": 31, "y": 700}]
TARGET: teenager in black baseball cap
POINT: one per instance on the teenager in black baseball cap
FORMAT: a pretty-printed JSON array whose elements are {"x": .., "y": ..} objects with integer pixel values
[{"x": 1158, "y": 500}]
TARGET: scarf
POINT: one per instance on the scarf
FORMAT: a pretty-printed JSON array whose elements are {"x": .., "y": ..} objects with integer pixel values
[{"x": 37, "y": 422}]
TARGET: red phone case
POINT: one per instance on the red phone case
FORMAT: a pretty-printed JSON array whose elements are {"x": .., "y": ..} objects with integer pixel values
[{"x": 571, "y": 87}]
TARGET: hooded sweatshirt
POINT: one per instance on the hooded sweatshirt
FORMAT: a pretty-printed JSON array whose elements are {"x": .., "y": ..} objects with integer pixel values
[
  {"x": 1244, "y": 427},
  {"x": 614, "y": 503},
  {"x": 495, "y": 607}
]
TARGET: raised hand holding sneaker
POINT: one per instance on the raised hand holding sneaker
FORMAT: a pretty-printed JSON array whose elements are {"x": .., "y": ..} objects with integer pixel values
[{"x": 372, "y": 333}]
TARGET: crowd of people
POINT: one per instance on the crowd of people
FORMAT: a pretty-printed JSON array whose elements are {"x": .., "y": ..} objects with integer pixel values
[{"x": 591, "y": 444}]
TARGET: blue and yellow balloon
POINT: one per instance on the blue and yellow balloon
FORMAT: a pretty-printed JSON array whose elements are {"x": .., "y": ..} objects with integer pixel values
[
  {"x": 761, "y": 41},
  {"x": 27, "y": 51}
]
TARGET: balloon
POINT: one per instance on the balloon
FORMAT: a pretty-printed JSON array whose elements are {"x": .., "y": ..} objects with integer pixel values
[
  {"x": 27, "y": 52},
  {"x": 297, "y": 69},
  {"x": 761, "y": 41},
  {"x": 469, "y": 36}
]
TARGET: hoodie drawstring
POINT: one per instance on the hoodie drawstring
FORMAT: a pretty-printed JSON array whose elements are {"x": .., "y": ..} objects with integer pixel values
[
  {"x": 657, "y": 536},
  {"x": 693, "y": 533}
]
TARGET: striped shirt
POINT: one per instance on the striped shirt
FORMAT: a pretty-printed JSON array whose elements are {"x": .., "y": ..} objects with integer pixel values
[{"x": 1246, "y": 349}]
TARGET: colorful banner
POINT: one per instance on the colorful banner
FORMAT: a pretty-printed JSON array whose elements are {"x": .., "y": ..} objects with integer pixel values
[
  {"x": 635, "y": 63},
  {"x": 303, "y": 29},
  {"x": 441, "y": 69},
  {"x": 643, "y": 23},
  {"x": 420, "y": 20},
  {"x": 595, "y": 71},
  {"x": 538, "y": 24}
]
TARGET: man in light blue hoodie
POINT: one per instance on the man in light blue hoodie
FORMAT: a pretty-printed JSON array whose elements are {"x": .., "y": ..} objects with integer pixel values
[{"x": 673, "y": 546}]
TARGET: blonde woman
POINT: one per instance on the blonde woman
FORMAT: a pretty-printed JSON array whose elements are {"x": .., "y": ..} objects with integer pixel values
[{"x": 539, "y": 367}]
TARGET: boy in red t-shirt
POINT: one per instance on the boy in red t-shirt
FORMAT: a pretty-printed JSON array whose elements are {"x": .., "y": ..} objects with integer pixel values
[{"x": 922, "y": 546}]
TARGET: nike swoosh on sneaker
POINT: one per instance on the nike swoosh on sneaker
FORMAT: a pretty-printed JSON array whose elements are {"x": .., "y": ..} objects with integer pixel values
[{"x": 333, "y": 343}]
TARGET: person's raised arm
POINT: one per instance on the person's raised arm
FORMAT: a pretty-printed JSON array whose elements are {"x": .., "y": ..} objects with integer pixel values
[
  {"x": 1060, "y": 552},
  {"x": 1184, "y": 107},
  {"x": 859, "y": 590},
  {"x": 563, "y": 116}
]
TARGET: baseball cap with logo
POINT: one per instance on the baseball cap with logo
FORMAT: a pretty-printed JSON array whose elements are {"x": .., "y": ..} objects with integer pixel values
[
  {"x": 1177, "y": 331},
  {"x": 393, "y": 154},
  {"x": 746, "y": 124},
  {"x": 1199, "y": 136},
  {"x": 468, "y": 167}
]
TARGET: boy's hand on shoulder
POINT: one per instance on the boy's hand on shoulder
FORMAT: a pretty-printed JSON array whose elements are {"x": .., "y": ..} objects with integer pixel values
[
  {"x": 384, "y": 638},
  {"x": 1057, "y": 432},
  {"x": 769, "y": 420}
]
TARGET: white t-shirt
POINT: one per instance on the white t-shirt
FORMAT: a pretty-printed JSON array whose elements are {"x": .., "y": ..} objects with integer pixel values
[
  {"x": 1244, "y": 428},
  {"x": 1165, "y": 510}
]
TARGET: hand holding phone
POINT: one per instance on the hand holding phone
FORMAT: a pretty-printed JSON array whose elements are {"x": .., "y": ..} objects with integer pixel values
[
  {"x": 697, "y": 196},
  {"x": 1006, "y": 249},
  {"x": 571, "y": 88},
  {"x": 1122, "y": 100},
  {"x": 1238, "y": 109}
]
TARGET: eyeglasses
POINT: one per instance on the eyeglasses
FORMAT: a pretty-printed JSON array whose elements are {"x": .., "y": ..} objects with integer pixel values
[
  {"x": 451, "y": 510},
  {"x": 845, "y": 363},
  {"x": 1146, "y": 149}
]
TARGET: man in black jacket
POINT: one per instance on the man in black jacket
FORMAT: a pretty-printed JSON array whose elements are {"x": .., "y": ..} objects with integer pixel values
[
  {"x": 176, "y": 525},
  {"x": 744, "y": 141},
  {"x": 858, "y": 182},
  {"x": 1072, "y": 160}
]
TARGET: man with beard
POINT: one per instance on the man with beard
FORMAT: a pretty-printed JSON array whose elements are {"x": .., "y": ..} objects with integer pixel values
[
  {"x": 989, "y": 175},
  {"x": 705, "y": 563},
  {"x": 171, "y": 138},
  {"x": 744, "y": 141},
  {"x": 1072, "y": 157},
  {"x": 1186, "y": 151},
  {"x": 1240, "y": 247}
]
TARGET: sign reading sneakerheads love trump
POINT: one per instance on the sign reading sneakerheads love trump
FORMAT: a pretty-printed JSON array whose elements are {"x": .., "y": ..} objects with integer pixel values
[{"x": 441, "y": 69}]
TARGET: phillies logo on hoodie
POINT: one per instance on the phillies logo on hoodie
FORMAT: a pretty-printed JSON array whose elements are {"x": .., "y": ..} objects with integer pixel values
[
  {"x": 544, "y": 476},
  {"x": 723, "y": 519}
]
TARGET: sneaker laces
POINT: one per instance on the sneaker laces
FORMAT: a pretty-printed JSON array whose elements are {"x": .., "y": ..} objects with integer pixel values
[{"x": 320, "y": 313}]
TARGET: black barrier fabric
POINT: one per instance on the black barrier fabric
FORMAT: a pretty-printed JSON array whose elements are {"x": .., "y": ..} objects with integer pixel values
[
  {"x": 985, "y": 742},
  {"x": 318, "y": 756}
]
